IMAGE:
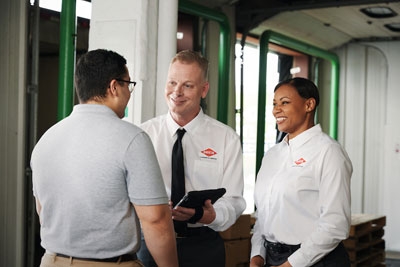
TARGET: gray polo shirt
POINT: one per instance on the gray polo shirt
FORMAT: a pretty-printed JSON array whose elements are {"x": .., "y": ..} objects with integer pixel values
[{"x": 88, "y": 169}]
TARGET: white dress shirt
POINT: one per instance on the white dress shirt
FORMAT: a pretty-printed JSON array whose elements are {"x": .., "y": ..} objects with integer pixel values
[
  {"x": 302, "y": 194},
  {"x": 212, "y": 159}
]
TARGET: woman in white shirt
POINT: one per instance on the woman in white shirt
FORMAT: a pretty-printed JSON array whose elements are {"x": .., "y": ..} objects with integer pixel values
[{"x": 303, "y": 188}]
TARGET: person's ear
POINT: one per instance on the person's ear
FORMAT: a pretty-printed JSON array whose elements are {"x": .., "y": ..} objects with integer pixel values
[
  {"x": 310, "y": 104},
  {"x": 113, "y": 87},
  {"x": 206, "y": 87}
]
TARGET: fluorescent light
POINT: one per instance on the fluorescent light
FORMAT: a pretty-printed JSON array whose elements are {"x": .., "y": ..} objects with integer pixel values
[
  {"x": 378, "y": 12},
  {"x": 395, "y": 27}
]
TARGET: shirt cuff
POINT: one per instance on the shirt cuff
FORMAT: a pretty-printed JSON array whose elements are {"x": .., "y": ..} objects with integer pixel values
[
  {"x": 297, "y": 259},
  {"x": 258, "y": 251},
  {"x": 217, "y": 221}
]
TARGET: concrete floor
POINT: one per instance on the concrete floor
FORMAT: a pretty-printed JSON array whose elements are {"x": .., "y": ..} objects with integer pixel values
[
  {"x": 392, "y": 259},
  {"x": 392, "y": 263}
]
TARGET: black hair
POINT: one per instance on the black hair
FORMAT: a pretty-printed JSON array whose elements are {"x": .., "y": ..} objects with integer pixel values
[
  {"x": 306, "y": 88},
  {"x": 94, "y": 72}
]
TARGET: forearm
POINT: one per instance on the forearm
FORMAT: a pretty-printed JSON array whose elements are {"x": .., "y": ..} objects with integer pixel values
[
  {"x": 159, "y": 234},
  {"x": 162, "y": 246},
  {"x": 257, "y": 261}
]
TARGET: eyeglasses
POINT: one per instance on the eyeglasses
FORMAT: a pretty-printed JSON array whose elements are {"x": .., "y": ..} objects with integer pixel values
[{"x": 131, "y": 85}]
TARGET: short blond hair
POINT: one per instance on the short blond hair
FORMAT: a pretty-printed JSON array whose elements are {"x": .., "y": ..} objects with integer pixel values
[{"x": 190, "y": 56}]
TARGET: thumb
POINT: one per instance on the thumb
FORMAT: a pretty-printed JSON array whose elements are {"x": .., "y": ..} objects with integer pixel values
[{"x": 208, "y": 203}]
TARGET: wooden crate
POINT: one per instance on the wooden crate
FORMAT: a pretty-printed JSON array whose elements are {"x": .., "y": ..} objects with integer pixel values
[{"x": 365, "y": 245}]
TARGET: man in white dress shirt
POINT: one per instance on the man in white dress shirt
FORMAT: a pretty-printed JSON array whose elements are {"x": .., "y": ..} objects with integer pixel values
[{"x": 212, "y": 159}]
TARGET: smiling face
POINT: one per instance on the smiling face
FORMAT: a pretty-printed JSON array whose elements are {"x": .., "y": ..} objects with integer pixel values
[
  {"x": 294, "y": 114},
  {"x": 185, "y": 87}
]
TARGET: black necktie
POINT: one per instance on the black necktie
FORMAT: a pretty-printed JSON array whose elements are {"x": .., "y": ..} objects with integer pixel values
[{"x": 178, "y": 177}]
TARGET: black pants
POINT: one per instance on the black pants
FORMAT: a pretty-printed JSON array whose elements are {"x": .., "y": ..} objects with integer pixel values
[
  {"x": 336, "y": 258},
  {"x": 201, "y": 248}
]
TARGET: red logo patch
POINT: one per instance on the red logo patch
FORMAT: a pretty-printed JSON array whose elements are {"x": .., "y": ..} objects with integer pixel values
[
  {"x": 300, "y": 161},
  {"x": 209, "y": 152}
]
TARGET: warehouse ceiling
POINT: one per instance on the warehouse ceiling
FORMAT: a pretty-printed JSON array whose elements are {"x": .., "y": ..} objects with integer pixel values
[
  {"x": 326, "y": 24},
  {"x": 323, "y": 23}
]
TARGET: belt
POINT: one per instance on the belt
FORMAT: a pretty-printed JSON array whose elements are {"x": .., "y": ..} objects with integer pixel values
[
  {"x": 194, "y": 231},
  {"x": 122, "y": 258},
  {"x": 280, "y": 248}
]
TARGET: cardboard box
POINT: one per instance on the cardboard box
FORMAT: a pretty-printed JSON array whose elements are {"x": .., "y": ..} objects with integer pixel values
[
  {"x": 239, "y": 230},
  {"x": 237, "y": 253},
  {"x": 252, "y": 221}
]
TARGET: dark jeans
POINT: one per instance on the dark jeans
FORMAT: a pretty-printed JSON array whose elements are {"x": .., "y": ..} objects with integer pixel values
[
  {"x": 336, "y": 258},
  {"x": 204, "y": 248}
]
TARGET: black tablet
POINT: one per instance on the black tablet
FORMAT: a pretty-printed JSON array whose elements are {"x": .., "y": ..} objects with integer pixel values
[{"x": 197, "y": 198}]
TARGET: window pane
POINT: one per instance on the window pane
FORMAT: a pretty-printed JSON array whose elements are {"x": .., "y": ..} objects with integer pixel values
[{"x": 250, "y": 104}]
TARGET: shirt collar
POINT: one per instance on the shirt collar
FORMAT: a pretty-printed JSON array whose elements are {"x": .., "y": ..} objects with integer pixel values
[
  {"x": 173, "y": 126},
  {"x": 305, "y": 136},
  {"x": 94, "y": 108}
]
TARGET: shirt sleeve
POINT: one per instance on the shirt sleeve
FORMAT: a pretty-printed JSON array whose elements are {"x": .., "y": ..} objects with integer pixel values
[
  {"x": 144, "y": 179},
  {"x": 257, "y": 242},
  {"x": 232, "y": 204},
  {"x": 334, "y": 170}
]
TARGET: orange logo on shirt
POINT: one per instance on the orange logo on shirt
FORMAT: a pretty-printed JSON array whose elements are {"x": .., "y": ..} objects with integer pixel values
[
  {"x": 209, "y": 152},
  {"x": 300, "y": 161}
]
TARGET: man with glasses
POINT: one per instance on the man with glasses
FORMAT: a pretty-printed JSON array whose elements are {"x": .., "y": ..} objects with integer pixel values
[
  {"x": 95, "y": 176},
  {"x": 131, "y": 85}
]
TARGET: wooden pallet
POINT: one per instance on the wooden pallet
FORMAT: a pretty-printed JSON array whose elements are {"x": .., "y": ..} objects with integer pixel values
[
  {"x": 366, "y": 240},
  {"x": 365, "y": 223},
  {"x": 365, "y": 245},
  {"x": 360, "y": 254},
  {"x": 375, "y": 259}
]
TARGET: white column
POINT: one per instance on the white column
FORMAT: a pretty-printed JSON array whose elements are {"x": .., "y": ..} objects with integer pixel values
[
  {"x": 13, "y": 132},
  {"x": 168, "y": 26},
  {"x": 131, "y": 29}
]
